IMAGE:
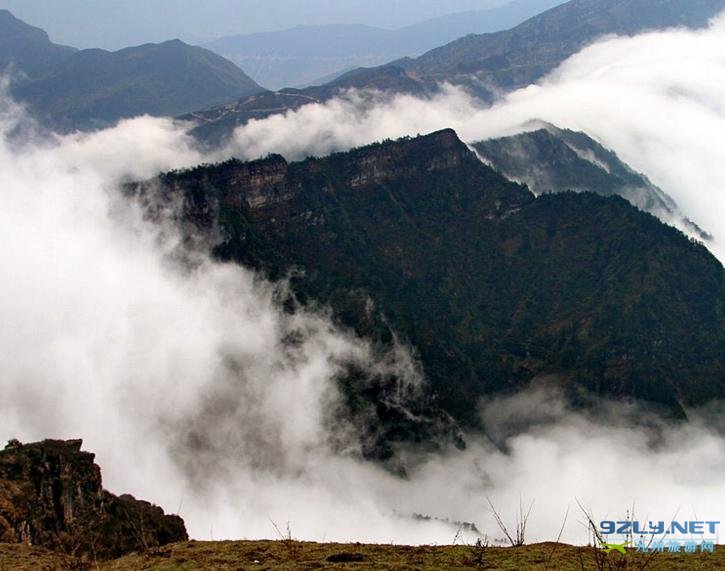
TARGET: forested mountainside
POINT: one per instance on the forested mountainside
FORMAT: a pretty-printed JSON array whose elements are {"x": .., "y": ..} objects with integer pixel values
[
  {"x": 549, "y": 159},
  {"x": 491, "y": 286}
]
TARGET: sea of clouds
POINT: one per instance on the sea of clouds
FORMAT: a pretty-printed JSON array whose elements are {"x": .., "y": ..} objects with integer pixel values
[{"x": 179, "y": 377}]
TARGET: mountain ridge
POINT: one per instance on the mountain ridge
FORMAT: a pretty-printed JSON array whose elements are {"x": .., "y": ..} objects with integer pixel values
[
  {"x": 549, "y": 159},
  {"x": 27, "y": 48},
  {"x": 69, "y": 89},
  {"x": 491, "y": 286},
  {"x": 487, "y": 65},
  {"x": 544, "y": 41},
  {"x": 298, "y": 56}
]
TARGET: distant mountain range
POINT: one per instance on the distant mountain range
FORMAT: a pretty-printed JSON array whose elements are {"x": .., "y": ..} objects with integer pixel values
[
  {"x": 491, "y": 286},
  {"x": 523, "y": 55},
  {"x": 82, "y": 89},
  {"x": 309, "y": 55},
  {"x": 548, "y": 159},
  {"x": 487, "y": 64},
  {"x": 71, "y": 89}
]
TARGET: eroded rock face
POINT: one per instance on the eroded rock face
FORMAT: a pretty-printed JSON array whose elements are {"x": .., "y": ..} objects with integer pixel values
[{"x": 51, "y": 494}]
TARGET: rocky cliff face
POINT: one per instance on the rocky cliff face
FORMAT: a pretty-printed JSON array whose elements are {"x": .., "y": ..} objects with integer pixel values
[
  {"x": 51, "y": 495},
  {"x": 273, "y": 192},
  {"x": 492, "y": 286}
]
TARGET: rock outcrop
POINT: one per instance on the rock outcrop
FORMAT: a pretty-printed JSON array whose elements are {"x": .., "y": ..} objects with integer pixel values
[{"x": 51, "y": 495}]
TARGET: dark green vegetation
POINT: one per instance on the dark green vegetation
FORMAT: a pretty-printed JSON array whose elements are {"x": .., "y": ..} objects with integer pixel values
[
  {"x": 549, "y": 159},
  {"x": 51, "y": 495},
  {"x": 491, "y": 286},
  {"x": 484, "y": 63},
  {"x": 238, "y": 555},
  {"x": 69, "y": 89}
]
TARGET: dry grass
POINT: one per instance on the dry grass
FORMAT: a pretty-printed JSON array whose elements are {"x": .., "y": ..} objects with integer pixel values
[
  {"x": 14, "y": 557},
  {"x": 259, "y": 555}
]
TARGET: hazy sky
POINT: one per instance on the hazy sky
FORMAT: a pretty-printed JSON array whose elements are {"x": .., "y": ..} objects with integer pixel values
[{"x": 114, "y": 24}]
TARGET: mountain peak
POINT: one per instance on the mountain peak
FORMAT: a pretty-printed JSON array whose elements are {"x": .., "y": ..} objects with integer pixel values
[
  {"x": 271, "y": 181},
  {"x": 12, "y": 28},
  {"x": 459, "y": 262},
  {"x": 487, "y": 64},
  {"x": 175, "y": 42},
  {"x": 95, "y": 88},
  {"x": 27, "y": 49}
]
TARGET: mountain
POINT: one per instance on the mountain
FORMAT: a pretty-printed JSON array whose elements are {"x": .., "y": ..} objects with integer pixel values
[
  {"x": 445, "y": 29},
  {"x": 549, "y": 159},
  {"x": 28, "y": 49},
  {"x": 492, "y": 287},
  {"x": 51, "y": 495},
  {"x": 487, "y": 64},
  {"x": 518, "y": 57},
  {"x": 69, "y": 89},
  {"x": 95, "y": 88},
  {"x": 216, "y": 124},
  {"x": 303, "y": 54},
  {"x": 115, "y": 24}
]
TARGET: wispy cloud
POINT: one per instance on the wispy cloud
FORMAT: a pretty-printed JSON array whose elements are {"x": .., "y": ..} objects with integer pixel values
[
  {"x": 180, "y": 379},
  {"x": 656, "y": 99}
]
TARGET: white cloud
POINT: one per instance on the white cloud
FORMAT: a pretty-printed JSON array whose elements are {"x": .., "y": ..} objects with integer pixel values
[
  {"x": 104, "y": 338},
  {"x": 656, "y": 99}
]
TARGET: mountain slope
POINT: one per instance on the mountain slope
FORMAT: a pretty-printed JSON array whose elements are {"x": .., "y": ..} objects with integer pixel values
[
  {"x": 487, "y": 64},
  {"x": 215, "y": 125},
  {"x": 445, "y": 29},
  {"x": 300, "y": 55},
  {"x": 549, "y": 159},
  {"x": 520, "y": 56},
  {"x": 94, "y": 87},
  {"x": 26, "y": 49},
  {"x": 491, "y": 286},
  {"x": 69, "y": 89}
]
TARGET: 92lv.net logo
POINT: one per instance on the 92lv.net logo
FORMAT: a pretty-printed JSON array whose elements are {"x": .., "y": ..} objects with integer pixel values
[{"x": 659, "y": 536}]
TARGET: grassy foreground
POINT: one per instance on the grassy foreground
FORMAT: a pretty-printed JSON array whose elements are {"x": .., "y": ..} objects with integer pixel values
[{"x": 248, "y": 555}]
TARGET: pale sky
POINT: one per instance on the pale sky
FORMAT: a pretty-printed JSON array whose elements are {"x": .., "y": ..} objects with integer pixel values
[{"x": 113, "y": 24}]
